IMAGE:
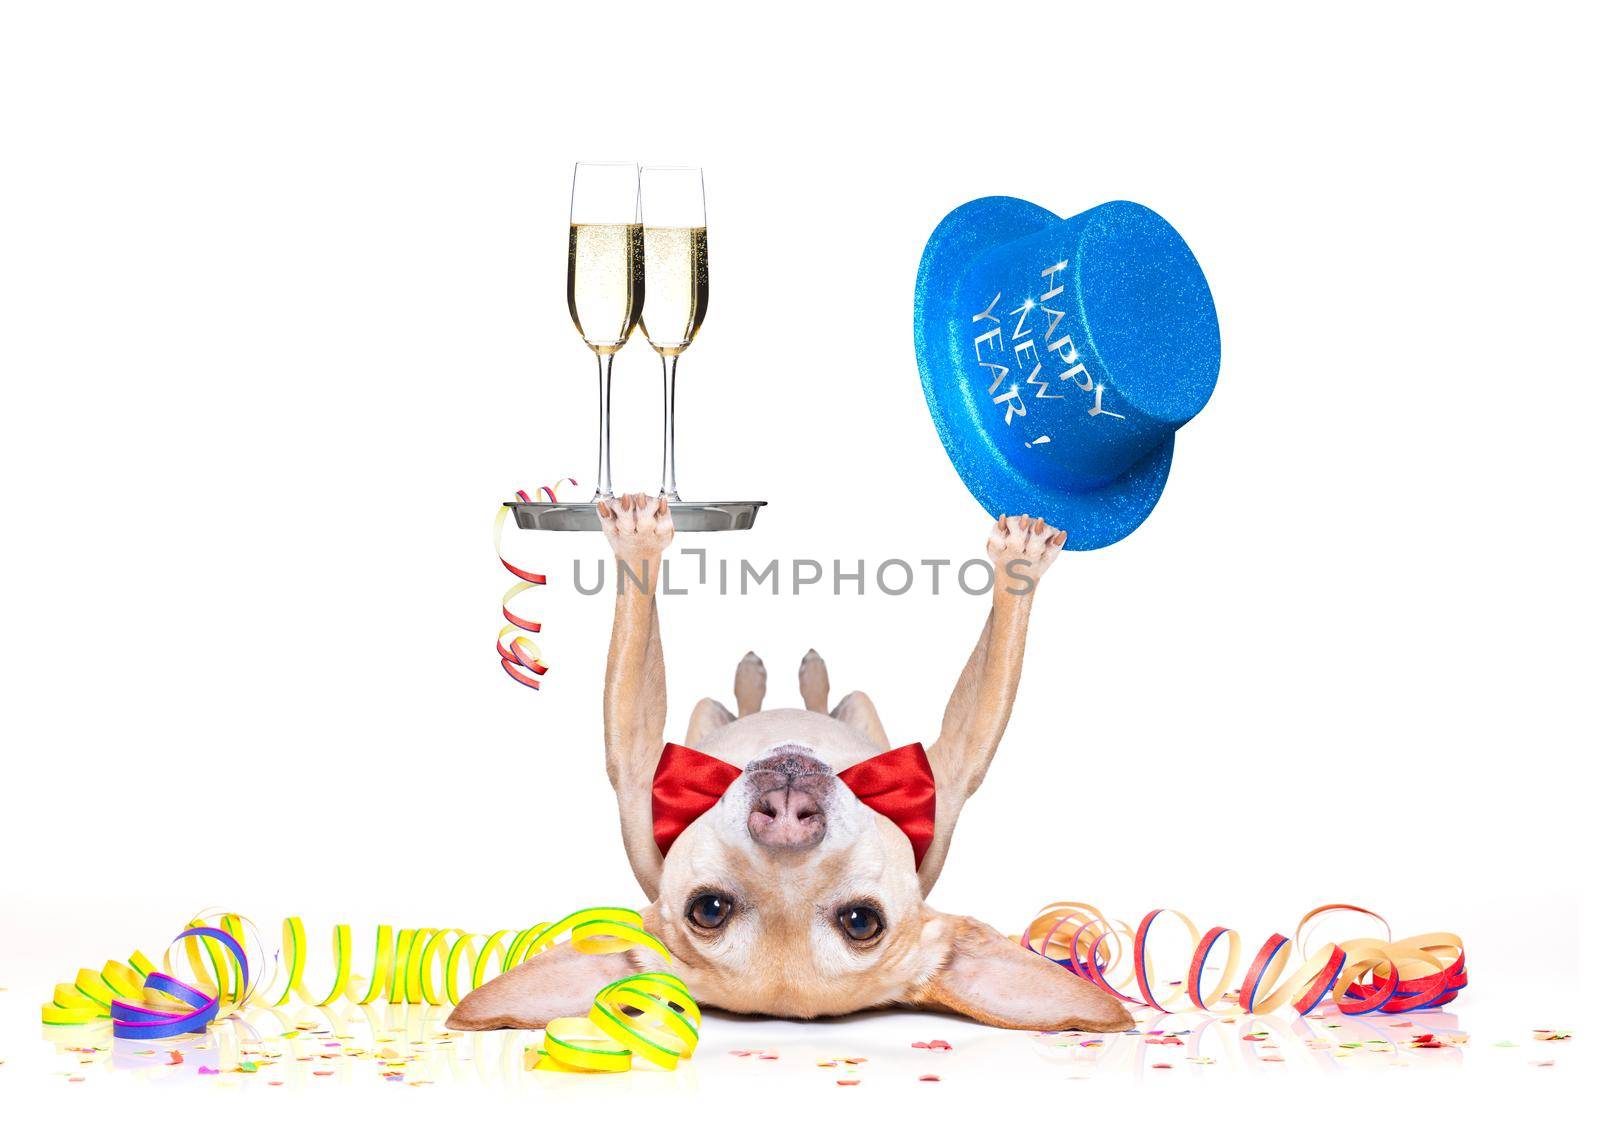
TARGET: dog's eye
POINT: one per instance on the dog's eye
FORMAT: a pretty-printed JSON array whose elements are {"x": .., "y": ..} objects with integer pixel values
[
  {"x": 710, "y": 911},
  {"x": 860, "y": 923}
]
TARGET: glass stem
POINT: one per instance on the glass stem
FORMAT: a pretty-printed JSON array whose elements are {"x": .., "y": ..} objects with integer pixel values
[
  {"x": 669, "y": 461},
  {"x": 602, "y": 479}
]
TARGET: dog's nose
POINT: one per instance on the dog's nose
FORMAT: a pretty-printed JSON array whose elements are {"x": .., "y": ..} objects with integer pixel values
[{"x": 787, "y": 819}]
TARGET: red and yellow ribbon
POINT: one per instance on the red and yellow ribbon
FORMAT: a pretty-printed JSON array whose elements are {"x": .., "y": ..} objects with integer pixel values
[
  {"x": 1359, "y": 975},
  {"x": 521, "y": 657}
]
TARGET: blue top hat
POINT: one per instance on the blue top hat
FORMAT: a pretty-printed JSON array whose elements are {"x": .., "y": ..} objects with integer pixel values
[{"x": 1061, "y": 356}]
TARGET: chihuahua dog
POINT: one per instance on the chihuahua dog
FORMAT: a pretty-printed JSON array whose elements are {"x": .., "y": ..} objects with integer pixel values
[{"x": 790, "y": 896}]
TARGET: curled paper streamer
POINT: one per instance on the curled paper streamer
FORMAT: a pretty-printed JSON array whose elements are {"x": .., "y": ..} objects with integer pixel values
[
  {"x": 521, "y": 657},
  {"x": 145, "y": 1002},
  {"x": 1360, "y": 975},
  {"x": 649, "y": 1015}
]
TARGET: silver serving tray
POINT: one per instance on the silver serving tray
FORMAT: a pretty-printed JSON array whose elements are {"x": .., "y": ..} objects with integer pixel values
[{"x": 687, "y": 516}]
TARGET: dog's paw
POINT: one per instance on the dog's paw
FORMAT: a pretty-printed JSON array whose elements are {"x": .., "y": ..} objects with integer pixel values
[
  {"x": 1026, "y": 539},
  {"x": 637, "y": 526}
]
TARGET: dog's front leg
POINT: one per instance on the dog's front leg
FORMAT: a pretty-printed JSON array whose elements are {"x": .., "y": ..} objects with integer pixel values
[
  {"x": 639, "y": 528},
  {"x": 1021, "y": 549}
]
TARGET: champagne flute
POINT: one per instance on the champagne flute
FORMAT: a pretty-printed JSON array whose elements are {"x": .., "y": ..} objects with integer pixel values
[
  {"x": 605, "y": 276},
  {"x": 673, "y": 202}
]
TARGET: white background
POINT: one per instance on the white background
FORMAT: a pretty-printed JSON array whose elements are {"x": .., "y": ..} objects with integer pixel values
[{"x": 282, "y": 322}]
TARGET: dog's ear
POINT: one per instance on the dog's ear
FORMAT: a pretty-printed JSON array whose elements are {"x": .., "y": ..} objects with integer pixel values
[
  {"x": 983, "y": 976},
  {"x": 560, "y": 982}
]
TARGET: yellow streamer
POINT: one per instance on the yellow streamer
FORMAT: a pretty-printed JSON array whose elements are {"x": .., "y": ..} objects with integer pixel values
[{"x": 648, "y": 1015}]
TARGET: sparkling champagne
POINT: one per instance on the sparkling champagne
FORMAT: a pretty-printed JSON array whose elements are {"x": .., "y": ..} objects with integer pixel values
[
  {"x": 605, "y": 282},
  {"x": 679, "y": 286}
]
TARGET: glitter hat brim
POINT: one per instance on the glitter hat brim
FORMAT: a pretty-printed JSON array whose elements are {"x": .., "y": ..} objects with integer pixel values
[{"x": 1090, "y": 519}]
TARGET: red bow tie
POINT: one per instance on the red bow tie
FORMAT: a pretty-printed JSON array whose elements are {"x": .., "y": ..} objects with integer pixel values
[{"x": 898, "y": 784}]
